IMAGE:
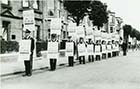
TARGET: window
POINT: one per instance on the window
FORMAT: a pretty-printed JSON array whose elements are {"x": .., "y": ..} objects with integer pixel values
[
  {"x": 111, "y": 29},
  {"x": 25, "y": 3},
  {"x": 36, "y": 4},
  {"x": 13, "y": 37},
  {"x": 51, "y": 7},
  {"x": 37, "y": 32},
  {"x": 5, "y": 2},
  {"x": 5, "y": 30}
]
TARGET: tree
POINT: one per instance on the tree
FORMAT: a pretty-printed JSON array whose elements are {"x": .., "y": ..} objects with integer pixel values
[
  {"x": 98, "y": 13},
  {"x": 137, "y": 34},
  {"x": 127, "y": 29},
  {"x": 77, "y": 9},
  {"x": 133, "y": 33}
]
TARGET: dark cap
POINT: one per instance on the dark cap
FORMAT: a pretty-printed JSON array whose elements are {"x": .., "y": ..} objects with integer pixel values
[
  {"x": 53, "y": 35},
  {"x": 69, "y": 37},
  {"x": 27, "y": 31}
]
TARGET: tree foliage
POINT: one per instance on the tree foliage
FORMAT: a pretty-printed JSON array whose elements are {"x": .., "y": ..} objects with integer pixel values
[
  {"x": 76, "y": 9},
  {"x": 127, "y": 29},
  {"x": 98, "y": 13},
  {"x": 135, "y": 33}
]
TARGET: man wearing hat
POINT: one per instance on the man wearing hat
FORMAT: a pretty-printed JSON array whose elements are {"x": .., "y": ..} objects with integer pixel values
[
  {"x": 53, "y": 51},
  {"x": 81, "y": 50},
  {"x": 70, "y": 51},
  {"x": 90, "y": 56},
  {"x": 28, "y": 63}
]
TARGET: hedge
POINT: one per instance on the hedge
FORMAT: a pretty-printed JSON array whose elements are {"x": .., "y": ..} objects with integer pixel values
[
  {"x": 40, "y": 46},
  {"x": 9, "y": 46}
]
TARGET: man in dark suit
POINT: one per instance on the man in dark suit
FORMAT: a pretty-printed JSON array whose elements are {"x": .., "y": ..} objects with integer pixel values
[{"x": 29, "y": 63}]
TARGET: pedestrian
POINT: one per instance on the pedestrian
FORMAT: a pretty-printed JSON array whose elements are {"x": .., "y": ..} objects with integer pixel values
[
  {"x": 29, "y": 63},
  {"x": 70, "y": 51},
  {"x": 124, "y": 48},
  {"x": 53, "y": 49}
]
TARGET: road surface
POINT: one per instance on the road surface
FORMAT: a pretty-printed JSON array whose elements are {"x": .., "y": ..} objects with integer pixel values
[{"x": 115, "y": 73}]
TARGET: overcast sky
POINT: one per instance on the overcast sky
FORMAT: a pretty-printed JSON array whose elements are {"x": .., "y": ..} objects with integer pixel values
[{"x": 128, "y": 10}]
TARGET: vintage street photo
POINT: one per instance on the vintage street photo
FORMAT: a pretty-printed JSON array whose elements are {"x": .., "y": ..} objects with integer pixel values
[{"x": 69, "y": 44}]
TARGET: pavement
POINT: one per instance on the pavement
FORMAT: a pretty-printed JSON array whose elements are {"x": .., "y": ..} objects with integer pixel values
[
  {"x": 10, "y": 64},
  {"x": 121, "y": 72}
]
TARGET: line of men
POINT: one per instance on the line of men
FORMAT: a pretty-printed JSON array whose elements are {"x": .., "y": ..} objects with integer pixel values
[{"x": 80, "y": 48}]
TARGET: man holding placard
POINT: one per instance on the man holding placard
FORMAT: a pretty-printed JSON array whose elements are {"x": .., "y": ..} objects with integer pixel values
[
  {"x": 29, "y": 61},
  {"x": 70, "y": 51},
  {"x": 53, "y": 52},
  {"x": 81, "y": 50},
  {"x": 104, "y": 49},
  {"x": 113, "y": 47},
  {"x": 90, "y": 50},
  {"x": 98, "y": 50},
  {"x": 109, "y": 49}
]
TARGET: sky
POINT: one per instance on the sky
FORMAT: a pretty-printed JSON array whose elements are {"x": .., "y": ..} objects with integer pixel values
[{"x": 128, "y": 10}]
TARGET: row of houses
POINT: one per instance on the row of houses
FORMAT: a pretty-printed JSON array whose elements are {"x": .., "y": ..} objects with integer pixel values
[{"x": 11, "y": 20}]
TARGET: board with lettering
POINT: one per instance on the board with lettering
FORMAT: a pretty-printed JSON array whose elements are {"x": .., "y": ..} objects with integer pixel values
[
  {"x": 52, "y": 50},
  {"x": 81, "y": 49},
  {"x": 69, "y": 49},
  {"x": 24, "y": 50},
  {"x": 97, "y": 48},
  {"x": 90, "y": 49}
]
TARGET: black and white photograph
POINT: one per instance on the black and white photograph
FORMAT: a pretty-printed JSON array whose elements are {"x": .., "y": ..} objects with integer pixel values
[{"x": 69, "y": 44}]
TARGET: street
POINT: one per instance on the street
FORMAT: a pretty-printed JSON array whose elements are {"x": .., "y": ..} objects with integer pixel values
[{"x": 121, "y": 72}]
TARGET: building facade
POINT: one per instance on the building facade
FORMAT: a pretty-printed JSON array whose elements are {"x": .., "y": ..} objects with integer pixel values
[{"x": 11, "y": 17}]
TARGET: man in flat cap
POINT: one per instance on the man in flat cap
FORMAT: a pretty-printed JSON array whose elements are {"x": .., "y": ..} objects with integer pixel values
[
  {"x": 53, "y": 51},
  {"x": 28, "y": 63},
  {"x": 70, "y": 51}
]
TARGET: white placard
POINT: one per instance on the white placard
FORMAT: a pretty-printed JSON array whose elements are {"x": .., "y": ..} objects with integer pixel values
[
  {"x": 24, "y": 50},
  {"x": 80, "y": 31},
  {"x": 97, "y": 48},
  {"x": 89, "y": 32},
  {"x": 69, "y": 48},
  {"x": 113, "y": 46},
  {"x": 103, "y": 48},
  {"x": 117, "y": 47},
  {"x": 109, "y": 47},
  {"x": 90, "y": 49},
  {"x": 72, "y": 30},
  {"x": 81, "y": 49},
  {"x": 56, "y": 26},
  {"x": 29, "y": 20},
  {"x": 52, "y": 50}
]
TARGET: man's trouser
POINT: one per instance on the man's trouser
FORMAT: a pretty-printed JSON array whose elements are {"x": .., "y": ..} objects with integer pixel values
[
  {"x": 98, "y": 57},
  {"x": 103, "y": 55},
  {"x": 53, "y": 64},
  {"x": 82, "y": 59},
  {"x": 28, "y": 65},
  {"x": 90, "y": 58},
  {"x": 124, "y": 52},
  {"x": 71, "y": 60}
]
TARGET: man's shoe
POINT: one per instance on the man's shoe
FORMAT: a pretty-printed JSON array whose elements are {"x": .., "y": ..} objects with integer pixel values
[
  {"x": 24, "y": 75},
  {"x": 29, "y": 75}
]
